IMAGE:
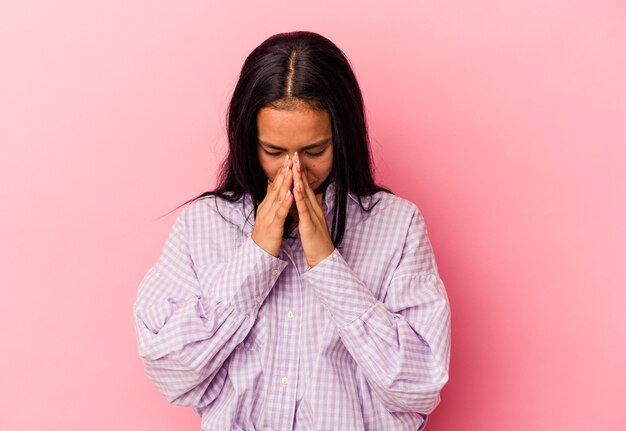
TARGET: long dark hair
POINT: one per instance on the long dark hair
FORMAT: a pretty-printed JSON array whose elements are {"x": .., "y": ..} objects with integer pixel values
[{"x": 298, "y": 66}]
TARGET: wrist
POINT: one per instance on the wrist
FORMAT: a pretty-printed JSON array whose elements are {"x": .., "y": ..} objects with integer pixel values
[{"x": 316, "y": 261}]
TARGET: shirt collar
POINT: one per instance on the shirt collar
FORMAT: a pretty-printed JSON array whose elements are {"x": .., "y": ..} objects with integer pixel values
[{"x": 328, "y": 198}]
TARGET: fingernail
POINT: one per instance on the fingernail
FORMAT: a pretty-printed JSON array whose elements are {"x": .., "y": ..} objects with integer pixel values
[
  {"x": 298, "y": 165},
  {"x": 287, "y": 195},
  {"x": 286, "y": 162}
]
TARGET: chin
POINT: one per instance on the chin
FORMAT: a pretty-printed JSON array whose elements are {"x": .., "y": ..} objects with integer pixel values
[{"x": 318, "y": 186}]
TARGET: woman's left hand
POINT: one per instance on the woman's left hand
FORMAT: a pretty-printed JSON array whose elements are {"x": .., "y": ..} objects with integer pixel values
[{"x": 316, "y": 241}]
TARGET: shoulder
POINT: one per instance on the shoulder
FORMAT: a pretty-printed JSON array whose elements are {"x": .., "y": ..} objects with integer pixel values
[
  {"x": 211, "y": 228},
  {"x": 386, "y": 205},
  {"x": 382, "y": 215},
  {"x": 210, "y": 212}
]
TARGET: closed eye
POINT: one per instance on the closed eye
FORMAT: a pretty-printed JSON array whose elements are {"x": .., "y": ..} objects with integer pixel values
[
  {"x": 308, "y": 153},
  {"x": 272, "y": 154}
]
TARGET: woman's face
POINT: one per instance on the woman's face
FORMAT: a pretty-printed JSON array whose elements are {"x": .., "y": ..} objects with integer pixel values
[{"x": 301, "y": 129}]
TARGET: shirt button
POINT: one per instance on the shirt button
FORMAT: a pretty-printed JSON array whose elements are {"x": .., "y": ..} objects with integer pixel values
[
  {"x": 290, "y": 315},
  {"x": 259, "y": 299},
  {"x": 274, "y": 271},
  {"x": 328, "y": 313},
  {"x": 284, "y": 381}
]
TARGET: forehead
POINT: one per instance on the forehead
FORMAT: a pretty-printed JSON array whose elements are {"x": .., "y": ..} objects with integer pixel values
[{"x": 292, "y": 126}]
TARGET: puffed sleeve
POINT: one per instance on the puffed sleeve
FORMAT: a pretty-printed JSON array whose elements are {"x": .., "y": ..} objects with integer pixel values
[
  {"x": 185, "y": 329},
  {"x": 402, "y": 342}
]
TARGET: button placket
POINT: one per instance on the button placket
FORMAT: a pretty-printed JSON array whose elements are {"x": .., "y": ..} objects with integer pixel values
[{"x": 286, "y": 302}]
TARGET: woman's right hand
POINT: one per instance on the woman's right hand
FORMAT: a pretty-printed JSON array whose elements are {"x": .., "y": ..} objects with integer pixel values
[{"x": 271, "y": 213}]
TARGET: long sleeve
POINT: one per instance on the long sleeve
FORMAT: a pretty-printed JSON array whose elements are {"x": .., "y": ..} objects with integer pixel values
[
  {"x": 187, "y": 328},
  {"x": 402, "y": 342}
]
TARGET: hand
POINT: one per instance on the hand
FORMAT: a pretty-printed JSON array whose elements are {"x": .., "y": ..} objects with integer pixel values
[
  {"x": 268, "y": 228},
  {"x": 316, "y": 241}
]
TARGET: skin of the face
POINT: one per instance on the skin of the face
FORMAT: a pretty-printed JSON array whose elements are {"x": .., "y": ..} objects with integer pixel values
[{"x": 285, "y": 131}]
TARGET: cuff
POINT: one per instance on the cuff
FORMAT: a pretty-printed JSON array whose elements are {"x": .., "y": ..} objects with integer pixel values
[
  {"x": 339, "y": 290},
  {"x": 249, "y": 278}
]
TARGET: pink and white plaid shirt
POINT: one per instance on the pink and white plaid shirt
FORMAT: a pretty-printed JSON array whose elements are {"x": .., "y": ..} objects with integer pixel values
[{"x": 256, "y": 342}]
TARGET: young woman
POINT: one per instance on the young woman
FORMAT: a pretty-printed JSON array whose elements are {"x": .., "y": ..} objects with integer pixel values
[{"x": 298, "y": 294}]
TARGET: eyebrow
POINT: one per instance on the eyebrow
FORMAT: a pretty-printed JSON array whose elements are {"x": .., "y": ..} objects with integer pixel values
[{"x": 313, "y": 145}]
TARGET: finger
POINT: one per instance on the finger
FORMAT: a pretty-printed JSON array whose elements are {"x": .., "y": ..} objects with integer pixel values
[
  {"x": 268, "y": 187},
  {"x": 304, "y": 210},
  {"x": 318, "y": 197},
  {"x": 286, "y": 181},
  {"x": 299, "y": 175},
  {"x": 310, "y": 195},
  {"x": 274, "y": 183},
  {"x": 305, "y": 181},
  {"x": 278, "y": 181},
  {"x": 283, "y": 209},
  {"x": 282, "y": 206}
]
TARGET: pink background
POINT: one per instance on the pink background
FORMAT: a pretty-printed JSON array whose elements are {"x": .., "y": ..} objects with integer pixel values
[{"x": 503, "y": 121}]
